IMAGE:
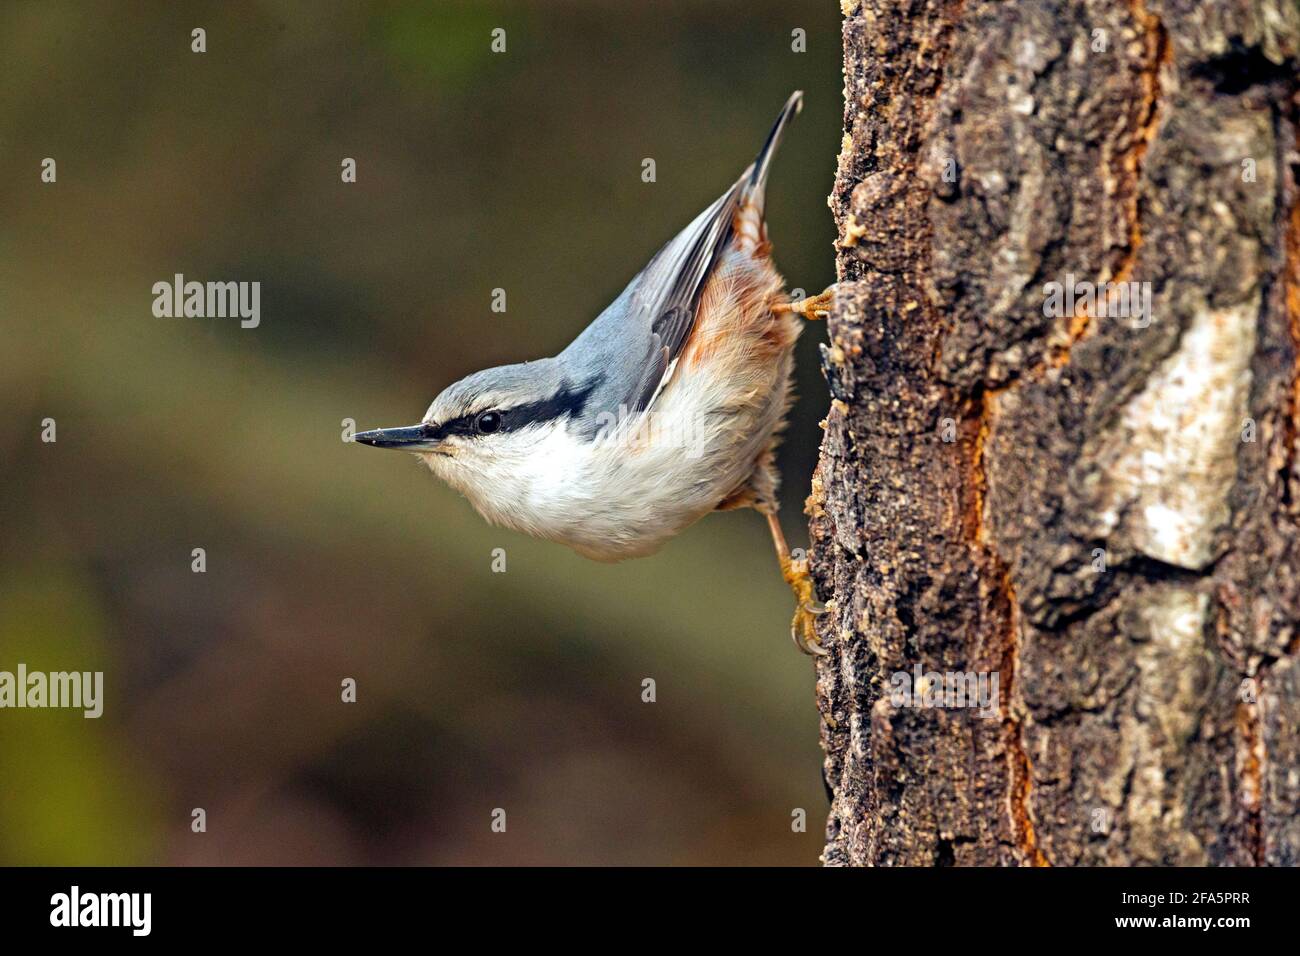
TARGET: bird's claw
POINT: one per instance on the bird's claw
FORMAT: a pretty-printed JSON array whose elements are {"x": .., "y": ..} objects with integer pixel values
[
  {"x": 815, "y": 307},
  {"x": 803, "y": 628},
  {"x": 807, "y": 606}
]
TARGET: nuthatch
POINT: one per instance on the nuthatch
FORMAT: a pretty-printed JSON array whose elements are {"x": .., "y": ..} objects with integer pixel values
[{"x": 666, "y": 407}]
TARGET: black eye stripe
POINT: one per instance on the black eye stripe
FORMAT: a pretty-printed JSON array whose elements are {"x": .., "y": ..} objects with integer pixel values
[
  {"x": 568, "y": 401},
  {"x": 464, "y": 425}
]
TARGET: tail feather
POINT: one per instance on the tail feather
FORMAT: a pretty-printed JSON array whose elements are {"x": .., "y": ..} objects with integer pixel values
[
  {"x": 762, "y": 162},
  {"x": 747, "y": 224}
]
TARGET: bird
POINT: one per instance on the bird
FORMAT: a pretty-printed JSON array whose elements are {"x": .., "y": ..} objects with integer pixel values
[{"x": 668, "y": 406}]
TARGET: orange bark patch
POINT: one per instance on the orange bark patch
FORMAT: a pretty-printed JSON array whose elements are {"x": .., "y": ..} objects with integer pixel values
[
  {"x": 1291, "y": 281},
  {"x": 1146, "y": 120},
  {"x": 1005, "y": 606}
]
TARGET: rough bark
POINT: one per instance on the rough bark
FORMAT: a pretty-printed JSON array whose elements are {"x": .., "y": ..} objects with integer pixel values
[{"x": 983, "y": 460}]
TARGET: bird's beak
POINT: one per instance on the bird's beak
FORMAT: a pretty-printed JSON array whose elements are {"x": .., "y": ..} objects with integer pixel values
[{"x": 410, "y": 438}]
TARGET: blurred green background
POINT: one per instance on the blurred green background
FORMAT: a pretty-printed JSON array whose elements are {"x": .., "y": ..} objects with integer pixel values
[{"x": 327, "y": 560}]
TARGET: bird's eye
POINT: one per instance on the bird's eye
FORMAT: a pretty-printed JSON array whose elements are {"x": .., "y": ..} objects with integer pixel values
[{"x": 487, "y": 422}]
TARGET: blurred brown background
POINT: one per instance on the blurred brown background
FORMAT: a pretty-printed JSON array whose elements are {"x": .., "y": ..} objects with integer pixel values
[{"x": 327, "y": 560}]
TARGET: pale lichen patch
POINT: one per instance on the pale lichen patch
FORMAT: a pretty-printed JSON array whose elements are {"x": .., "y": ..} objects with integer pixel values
[
  {"x": 853, "y": 231},
  {"x": 1172, "y": 669},
  {"x": 1169, "y": 466}
]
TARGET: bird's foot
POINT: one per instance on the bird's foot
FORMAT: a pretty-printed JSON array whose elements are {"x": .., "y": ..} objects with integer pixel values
[
  {"x": 811, "y": 307},
  {"x": 795, "y": 571},
  {"x": 803, "y": 629}
]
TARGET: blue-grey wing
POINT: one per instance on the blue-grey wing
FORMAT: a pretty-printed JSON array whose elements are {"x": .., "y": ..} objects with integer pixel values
[
  {"x": 665, "y": 295},
  {"x": 634, "y": 343}
]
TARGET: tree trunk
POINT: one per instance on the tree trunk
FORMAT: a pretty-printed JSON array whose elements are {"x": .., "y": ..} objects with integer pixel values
[{"x": 1098, "y": 512}]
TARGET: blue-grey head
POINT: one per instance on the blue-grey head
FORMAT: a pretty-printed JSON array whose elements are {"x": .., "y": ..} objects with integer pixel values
[{"x": 490, "y": 433}]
